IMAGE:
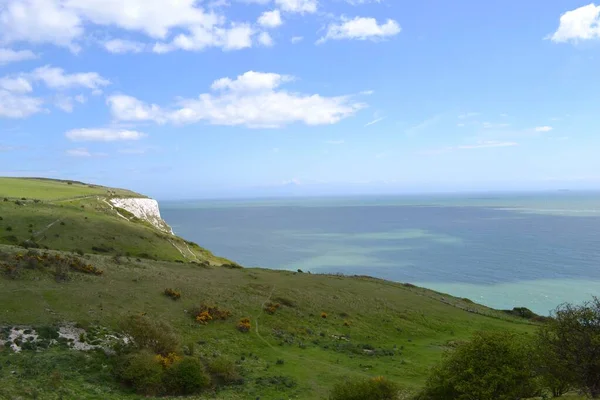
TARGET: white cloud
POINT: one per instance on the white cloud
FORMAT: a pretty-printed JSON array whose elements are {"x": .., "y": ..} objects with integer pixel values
[
  {"x": 64, "y": 23},
  {"x": 119, "y": 46},
  {"x": 80, "y": 98},
  {"x": 582, "y": 23},
  {"x": 236, "y": 37},
  {"x": 79, "y": 152},
  {"x": 127, "y": 108},
  {"x": 16, "y": 85},
  {"x": 468, "y": 115},
  {"x": 14, "y": 105},
  {"x": 335, "y": 142},
  {"x": 265, "y": 39},
  {"x": 103, "y": 135},
  {"x": 361, "y": 28},
  {"x": 270, "y": 19},
  {"x": 296, "y": 39},
  {"x": 543, "y": 128},
  {"x": 65, "y": 103},
  {"x": 39, "y": 21},
  {"x": 253, "y": 99},
  {"x": 55, "y": 78},
  {"x": 9, "y": 55},
  {"x": 298, "y": 6}
]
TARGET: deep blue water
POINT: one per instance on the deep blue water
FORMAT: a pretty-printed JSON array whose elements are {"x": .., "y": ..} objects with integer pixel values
[{"x": 503, "y": 253}]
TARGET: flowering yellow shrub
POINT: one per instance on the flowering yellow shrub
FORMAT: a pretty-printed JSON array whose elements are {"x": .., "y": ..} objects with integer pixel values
[
  {"x": 204, "y": 314},
  {"x": 204, "y": 317},
  {"x": 270, "y": 308},
  {"x": 244, "y": 325},
  {"x": 173, "y": 294},
  {"x": 168, "y": 360},
  {"x": 323, "y": 315}
]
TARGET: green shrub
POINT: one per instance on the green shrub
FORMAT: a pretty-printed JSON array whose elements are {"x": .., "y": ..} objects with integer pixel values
[
  {"x": 186, "y": 377},
  {"x": 142, "y": 372},
  {"x": 570, "y": 347},
  {"x": 146, "y": 333},
  {"x": 224, "y": 372},
  {"x": 365, "y": 389},
  {"x": 492, "y": 366}
]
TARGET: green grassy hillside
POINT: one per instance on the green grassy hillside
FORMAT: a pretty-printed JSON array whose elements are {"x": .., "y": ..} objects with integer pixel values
[
  {"x": 52, "y": 189},
  {"x": 306, "y": 331},
  {"x": 73, "y": 217},
  {"x": 372, "y": 327}
]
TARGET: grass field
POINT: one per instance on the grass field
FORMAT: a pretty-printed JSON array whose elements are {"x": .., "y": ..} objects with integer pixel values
[
  {"x": 49, "y": 189},
  {"x": 373, "y": 327}
]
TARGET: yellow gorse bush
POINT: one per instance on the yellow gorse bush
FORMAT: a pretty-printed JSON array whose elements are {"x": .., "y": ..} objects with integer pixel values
[{"x": 168, "y": 360}]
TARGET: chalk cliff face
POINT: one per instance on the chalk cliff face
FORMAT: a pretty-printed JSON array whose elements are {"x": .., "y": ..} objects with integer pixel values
[{"x": 145, "y": 209}]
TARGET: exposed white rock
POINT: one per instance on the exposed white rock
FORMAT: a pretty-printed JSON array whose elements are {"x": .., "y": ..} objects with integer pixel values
[
  {"x": 18, "y": 334},
  {"x": 144, "y": 209},
  {"x": 74, "y": 336}
]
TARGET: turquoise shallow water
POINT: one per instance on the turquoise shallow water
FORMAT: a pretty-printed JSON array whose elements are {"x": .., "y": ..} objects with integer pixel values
[{"x": 533, "y": 250}]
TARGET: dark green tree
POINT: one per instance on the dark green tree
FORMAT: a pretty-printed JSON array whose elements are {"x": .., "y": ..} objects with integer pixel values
[
  {"x": 570, "y": 347},
  {"x": 492, "y": 366}
]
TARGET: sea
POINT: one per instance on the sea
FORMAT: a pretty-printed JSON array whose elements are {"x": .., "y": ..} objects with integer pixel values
[{"x": 534, "y": 250}]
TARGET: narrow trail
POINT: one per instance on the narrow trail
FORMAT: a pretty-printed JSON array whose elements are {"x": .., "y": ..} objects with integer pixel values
[
  {"x": 72, "y": 198},
  {"x": 113, "y": 208},
  {"x": 297, "y": 357},
  {"x": 191, "y": 252},
  {"x": 178, "y": 249},
  {"x": 38, "y": 233}
]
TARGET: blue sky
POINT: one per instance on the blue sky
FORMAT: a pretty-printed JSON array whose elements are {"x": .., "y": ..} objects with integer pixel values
[{"x": 237, "y": 98}]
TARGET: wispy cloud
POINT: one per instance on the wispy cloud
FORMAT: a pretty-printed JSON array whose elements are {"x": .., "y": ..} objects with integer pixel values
[
  {"x": 493, "y": 125},
  {"x": 468, "y": 115},
  {"x": 416, "y": 129},
  {"x": 83, "y": 153},
  {"x": 376, "y": 120},
  {"x": 543, "y": 128},
  {"x": 486, "y": 144}
]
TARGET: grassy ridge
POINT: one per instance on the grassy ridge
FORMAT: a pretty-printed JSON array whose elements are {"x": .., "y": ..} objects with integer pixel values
[
  {"x": 51, "y": 189},
  {"x": 372, "y": 328},
  {"x": 77, "y": 217}
]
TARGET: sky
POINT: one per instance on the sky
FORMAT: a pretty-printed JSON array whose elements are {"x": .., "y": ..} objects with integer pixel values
[{"x": 234, "y": 98}]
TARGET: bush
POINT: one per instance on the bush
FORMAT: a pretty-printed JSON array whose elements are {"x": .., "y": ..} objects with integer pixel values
[
  {"x": 492, "y": 366},
  {"x": 142, "y": 372},
  {"x": 224, "y": 372},
  {"x": 366, "y": 389},
  {"x": 244, "y": 325},
  {"x": 186, "y": 377},
  {"x": 146, "y": 333},
  {"x": 570, "y": 344},
  {"x": 204, "y": 314},
  {"x": 173, "y": 294}
]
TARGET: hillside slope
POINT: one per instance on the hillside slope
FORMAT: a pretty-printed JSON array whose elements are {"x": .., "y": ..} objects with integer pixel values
[
  {"x": 71, "y": 216},
  {"x": 326, "y": 328}
]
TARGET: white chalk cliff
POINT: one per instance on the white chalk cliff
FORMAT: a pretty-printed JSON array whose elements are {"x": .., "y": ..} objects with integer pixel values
[{"x": 144, "y": 209}]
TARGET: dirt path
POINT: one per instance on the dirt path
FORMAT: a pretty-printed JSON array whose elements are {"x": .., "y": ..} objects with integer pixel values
[
  {"x": 113, "y": 208},
  {"x": 178, "y": 249},
  {"x": 38, "y": 233},
  {"x": 290, "y": 355}
]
